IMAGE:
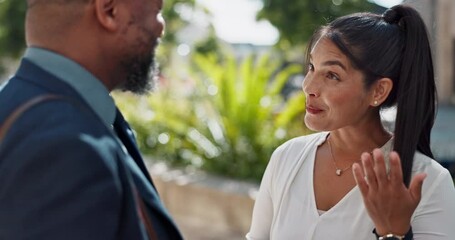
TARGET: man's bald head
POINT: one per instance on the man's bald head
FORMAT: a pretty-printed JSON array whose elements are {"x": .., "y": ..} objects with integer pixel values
[
  {"x": 32, "y": 3},
  {"x": 52, "y": 18}
]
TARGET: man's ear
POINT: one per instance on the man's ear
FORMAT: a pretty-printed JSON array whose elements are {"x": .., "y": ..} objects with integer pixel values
[
  {"x": 107, "y": 13},
  {"x": 381, "y": 90}
]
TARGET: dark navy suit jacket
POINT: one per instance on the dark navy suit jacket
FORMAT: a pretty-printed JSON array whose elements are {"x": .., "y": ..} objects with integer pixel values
[{"x": 63, "y": 172}]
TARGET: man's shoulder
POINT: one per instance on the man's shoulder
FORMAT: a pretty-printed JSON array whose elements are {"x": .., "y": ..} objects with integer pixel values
[
  {"x": 61, "y": 134},
  {"x": 65, "y": 122},
  {"x": 21, "y": 89},
  {"x": 63, "y": 107},
  {"x": 57, "y": 121}
]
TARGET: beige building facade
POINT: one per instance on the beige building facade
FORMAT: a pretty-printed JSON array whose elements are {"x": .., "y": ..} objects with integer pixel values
[{"x": 439, "y": 15}]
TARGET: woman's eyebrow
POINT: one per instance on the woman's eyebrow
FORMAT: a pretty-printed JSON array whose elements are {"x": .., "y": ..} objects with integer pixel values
[
  {"x": 331, "y": 63},
  {"x": 334, "y": 62}
]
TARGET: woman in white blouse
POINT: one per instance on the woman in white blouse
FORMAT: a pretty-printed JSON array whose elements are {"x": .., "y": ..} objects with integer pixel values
[{"x": 354, "y": 179}]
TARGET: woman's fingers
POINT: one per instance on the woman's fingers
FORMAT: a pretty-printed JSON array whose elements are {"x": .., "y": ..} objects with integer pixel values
[
  {"x": 368, "y": 168},
  {"x": 396, "y": 175},
  {"x": 380, "y": 168},
  {"x": 360, "y": 179}
]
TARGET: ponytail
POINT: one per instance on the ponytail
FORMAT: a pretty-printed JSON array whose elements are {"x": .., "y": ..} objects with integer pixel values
[{"x": 415, "y": 89}]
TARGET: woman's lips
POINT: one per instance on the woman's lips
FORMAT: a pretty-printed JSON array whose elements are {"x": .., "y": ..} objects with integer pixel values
[{"x": 313, "y": 110}]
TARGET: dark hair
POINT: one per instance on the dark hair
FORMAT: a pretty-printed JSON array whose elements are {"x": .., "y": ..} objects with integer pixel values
[{"x": 393, "y": 45}]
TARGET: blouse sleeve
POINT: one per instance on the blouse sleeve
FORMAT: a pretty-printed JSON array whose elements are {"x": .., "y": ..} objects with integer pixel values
[
  {"x": 263, "y": 207},
  {"x": 435, "y": 217}
]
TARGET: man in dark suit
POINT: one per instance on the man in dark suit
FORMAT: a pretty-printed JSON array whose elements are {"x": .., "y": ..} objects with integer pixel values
[{"x": 69, "y": 165}]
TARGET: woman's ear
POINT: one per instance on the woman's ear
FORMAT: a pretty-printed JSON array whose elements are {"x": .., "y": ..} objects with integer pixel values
[
  {"x": 106, "y": 13},
  {"x": 381, "y": 90}
]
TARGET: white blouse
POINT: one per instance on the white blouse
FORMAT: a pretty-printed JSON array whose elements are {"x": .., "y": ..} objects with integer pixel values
[{"x": 285, "y": 206}]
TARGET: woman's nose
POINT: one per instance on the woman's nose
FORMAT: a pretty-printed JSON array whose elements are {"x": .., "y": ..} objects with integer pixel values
[{"x": 309, "y": 87}]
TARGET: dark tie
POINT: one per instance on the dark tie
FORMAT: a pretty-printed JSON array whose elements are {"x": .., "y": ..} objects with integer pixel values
[
  {"x": 168, "y": 230},
  {"x": 125, "y": 134}
]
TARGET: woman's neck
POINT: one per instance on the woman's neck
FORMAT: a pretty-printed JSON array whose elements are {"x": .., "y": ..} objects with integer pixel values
[{"x": 353, "y": 140}]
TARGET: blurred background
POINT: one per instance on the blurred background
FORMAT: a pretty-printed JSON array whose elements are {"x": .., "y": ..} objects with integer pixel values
[{"x": 229, "y": 94}]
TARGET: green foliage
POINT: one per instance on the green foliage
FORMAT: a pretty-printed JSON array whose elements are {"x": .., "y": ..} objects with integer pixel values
[
  {"x": 227, "y": 120},
  {"x": 174, "y": 23},
  {"x": 296, "y": 20},
  {"x": 172, "y": 17},
  {"x": 12, "y": 39},
  {"x": 209, "y": 45}
]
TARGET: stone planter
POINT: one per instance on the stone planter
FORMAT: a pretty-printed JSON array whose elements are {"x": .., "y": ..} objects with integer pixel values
[{"x": 204, "y": 206}]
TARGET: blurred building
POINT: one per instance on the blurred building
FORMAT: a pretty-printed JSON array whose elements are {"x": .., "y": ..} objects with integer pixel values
[{"x": 439, "y": 15}]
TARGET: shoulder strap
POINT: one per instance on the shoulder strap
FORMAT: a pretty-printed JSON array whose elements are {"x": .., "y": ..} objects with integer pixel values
[{"x": 9, "y": 121}]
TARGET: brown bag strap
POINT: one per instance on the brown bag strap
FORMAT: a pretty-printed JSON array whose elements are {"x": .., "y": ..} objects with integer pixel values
[
  {"x": 9, "y": 121},
  {"x": 144, "y": 217}
]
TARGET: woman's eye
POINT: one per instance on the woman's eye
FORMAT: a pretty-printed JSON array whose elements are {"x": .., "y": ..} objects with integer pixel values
[
  {"x": 333, "y": 76},
  {"x": 310, "y": 67}
]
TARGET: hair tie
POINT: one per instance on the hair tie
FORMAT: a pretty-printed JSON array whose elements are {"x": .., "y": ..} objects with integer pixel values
[{"x": 391, "y": 16}]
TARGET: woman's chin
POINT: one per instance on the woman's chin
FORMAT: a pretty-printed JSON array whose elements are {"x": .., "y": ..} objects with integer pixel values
[{"x": 313, "y": 124}]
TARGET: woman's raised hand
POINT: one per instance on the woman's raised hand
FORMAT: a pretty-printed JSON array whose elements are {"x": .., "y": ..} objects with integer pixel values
[{"x": 388, "y": 201}]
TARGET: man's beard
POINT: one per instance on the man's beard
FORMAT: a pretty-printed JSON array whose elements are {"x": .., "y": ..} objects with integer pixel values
[{"x": 142, "y": 72}]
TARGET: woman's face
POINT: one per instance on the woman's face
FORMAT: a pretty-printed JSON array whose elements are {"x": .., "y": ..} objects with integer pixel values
[{"x": 335, "y": 92}]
